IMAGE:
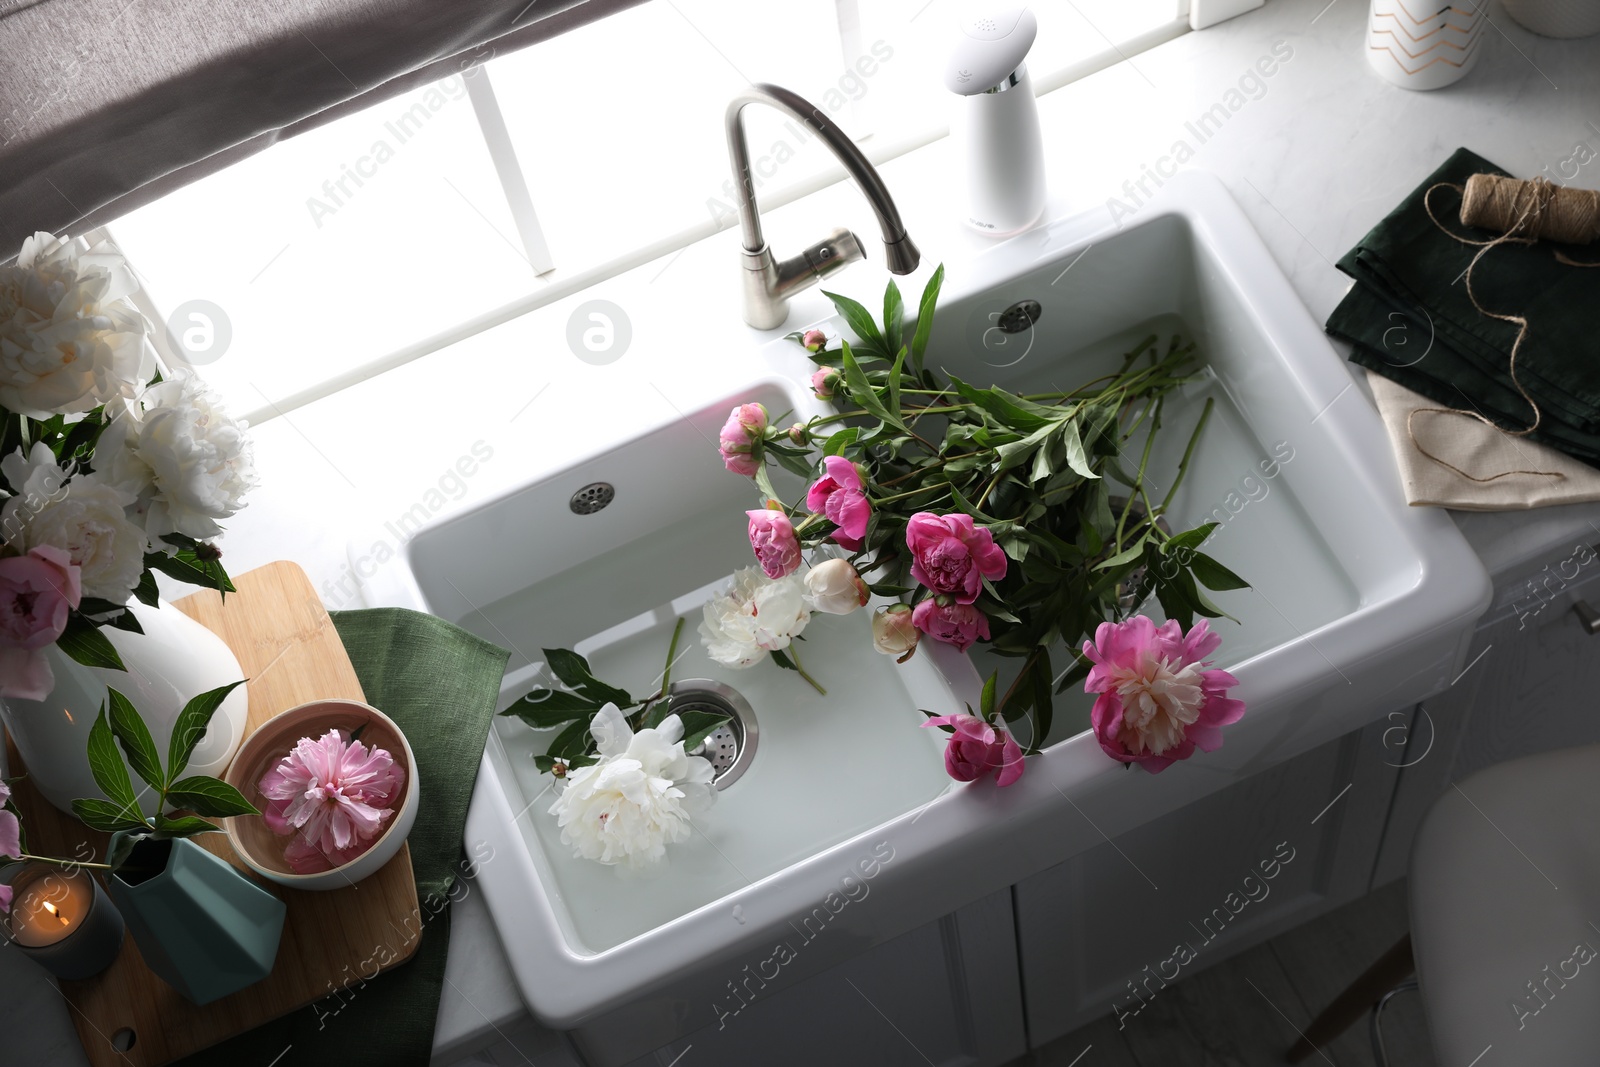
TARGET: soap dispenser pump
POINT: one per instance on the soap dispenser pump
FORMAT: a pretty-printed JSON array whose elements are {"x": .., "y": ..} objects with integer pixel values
[{"x": 996, "y": 127}]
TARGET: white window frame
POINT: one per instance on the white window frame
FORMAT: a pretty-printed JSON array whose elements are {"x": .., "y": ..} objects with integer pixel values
[{"x": 520, "y": 198}]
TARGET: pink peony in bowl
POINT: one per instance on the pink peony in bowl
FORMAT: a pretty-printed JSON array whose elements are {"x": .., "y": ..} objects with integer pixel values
[{"x": 253, "y": 837}]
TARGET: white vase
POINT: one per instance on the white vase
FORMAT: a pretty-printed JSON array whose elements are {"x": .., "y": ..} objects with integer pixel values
[
  {"x": 172, "y": 662},
  {"x": 1417, "y": 44}
]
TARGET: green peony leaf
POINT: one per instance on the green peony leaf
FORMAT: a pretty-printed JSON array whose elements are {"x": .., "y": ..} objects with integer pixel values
[
  {"x": 105, "y": 763},
  {"x": 205, "y": 795},
  {"x": 859, "y": 320},
  {"x": 862, "y": 393},
  {"x": 84, "y": 642},
  {"x": 171, "y": 826},
  {"x": 1214, "y": 575},
  {"x": 191, "y": 726},
  {"x": 919, "y": 340},
  {"x": 1076, "y": 459},
  {"x": 894, "y": 312},
  {"x": 571, "y": 742},
  {"x": 147, "y": 591},
  {"x": 136, "y": 742},
  {"x": 698, "y": 725},
  {"x": 106, "y": 817}
]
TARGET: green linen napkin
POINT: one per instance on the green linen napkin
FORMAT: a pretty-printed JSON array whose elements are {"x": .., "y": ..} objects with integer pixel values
[
  {"x": 441, "y": 684},
  {"x": 1410, "y": 299}
]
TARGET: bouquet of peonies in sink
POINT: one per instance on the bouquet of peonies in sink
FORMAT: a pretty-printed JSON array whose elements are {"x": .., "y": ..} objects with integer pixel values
[
  {"x": 626, "y": 785},
  {"x": 994, "y": 516},
  {"x": 976, "y": 516}
]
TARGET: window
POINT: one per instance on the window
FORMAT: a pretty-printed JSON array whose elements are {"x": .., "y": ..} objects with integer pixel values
[{"x": 350, "y": 246}]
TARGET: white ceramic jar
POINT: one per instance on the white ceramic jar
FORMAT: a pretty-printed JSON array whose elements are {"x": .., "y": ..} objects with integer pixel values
[
  {"x": 1417, "y": 45},
  {"x": 173, "y": 661}
]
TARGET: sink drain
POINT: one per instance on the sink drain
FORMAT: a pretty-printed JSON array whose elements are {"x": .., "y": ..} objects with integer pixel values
[
  {"x": 731, "y": 746},
  {"x": 592, "y": 498}
]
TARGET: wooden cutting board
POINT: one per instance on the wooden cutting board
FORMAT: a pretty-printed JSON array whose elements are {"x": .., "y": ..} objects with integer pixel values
[{"x": 332, "y": 941}]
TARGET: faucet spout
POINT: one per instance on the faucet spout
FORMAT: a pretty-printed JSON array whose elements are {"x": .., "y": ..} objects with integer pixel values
[{"x": 768, "y": 284}]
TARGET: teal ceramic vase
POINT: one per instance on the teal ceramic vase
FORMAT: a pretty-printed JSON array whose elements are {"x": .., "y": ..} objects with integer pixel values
[{"x": 203, "y": 927}]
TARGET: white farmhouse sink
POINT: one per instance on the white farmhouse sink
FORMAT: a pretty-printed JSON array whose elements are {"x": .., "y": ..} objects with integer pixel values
[
  {"x": 612, "y": 584},
  {"x": 1359, "y": 605}
]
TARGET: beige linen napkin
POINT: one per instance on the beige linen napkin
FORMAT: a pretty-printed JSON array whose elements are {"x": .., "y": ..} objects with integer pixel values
[{"x": 1481, "y": 450}]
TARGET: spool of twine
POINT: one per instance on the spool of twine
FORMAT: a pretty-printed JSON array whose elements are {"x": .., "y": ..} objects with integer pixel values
[{"x": 1538, "y": 209}]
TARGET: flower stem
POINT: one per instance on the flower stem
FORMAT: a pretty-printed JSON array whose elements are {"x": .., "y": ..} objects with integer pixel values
[
  {"x": 1188, "y": 453},
  {"x": 911, "y": 492},
  {"x": 65, "y": 863},
  {"x": 1011, "y": 689},
  {"x": 793, "y": 653},
  {"x": 1144, "y": 460},
  {"x": 672, "y": 652}
]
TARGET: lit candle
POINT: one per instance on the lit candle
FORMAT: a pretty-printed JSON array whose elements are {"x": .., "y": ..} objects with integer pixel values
[{"x": 63, "y": 920}]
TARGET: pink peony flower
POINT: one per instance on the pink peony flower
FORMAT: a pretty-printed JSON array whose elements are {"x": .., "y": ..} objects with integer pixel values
[
  {"x": 1157, "y": 704},
  {"x": 977, "y": 750},
  {"x": 745, "y": 429},
  {"x": 950, "y": 555},
  {"x": 10, "y": 827},
  {"x": 838, "y": 494},
  {"x": 36, "y": 593},
  {"x": 334, "y": 794},
  {"x": 305, "y": 858},
  {"x": 953, "y": 623},
  {"x": 825, "y": 383},
  {"x": 772, "y": 539},
  {"x": 814, "y": 340}
]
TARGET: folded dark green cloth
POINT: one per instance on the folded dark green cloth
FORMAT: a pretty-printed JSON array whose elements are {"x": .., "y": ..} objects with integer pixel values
[
  {"x": 1410, "y": 317},
  {"x": 441, "y": 684},
  {"x": 1394, "y": 355}
]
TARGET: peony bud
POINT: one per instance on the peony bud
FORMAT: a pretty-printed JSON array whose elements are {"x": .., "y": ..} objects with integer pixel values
[
  {"x": 739, "y": 442},
  {"x": 893, "y": 632},
  {"x": 825, "y": 383},
  {"x": 799, "y": 435},
  {"x": 814, "y": 340},
  {"x": 834, "y": 586}
]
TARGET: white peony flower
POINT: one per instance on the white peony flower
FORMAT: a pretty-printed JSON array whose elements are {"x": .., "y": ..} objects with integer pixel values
[
  {"x": 641, "y": 796},
  {"x": 893, "y": 631},
  {"x": 180, "y": 453},
  {"x": 758, "y": 615},
  {"x": 69, "y": 339},
  {"x": 85, "y": 517},
  {"x": 834, "y": 586}
]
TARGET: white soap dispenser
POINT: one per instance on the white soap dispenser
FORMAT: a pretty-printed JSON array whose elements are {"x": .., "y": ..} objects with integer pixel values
[{"x": 996, "y": 127}]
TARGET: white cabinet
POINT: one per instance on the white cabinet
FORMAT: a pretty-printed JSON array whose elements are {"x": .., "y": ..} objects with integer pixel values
[
  {"x": 1532, "y": 685},
  {"x": 945, "y": 994},
  {"x": 1109, "y": 929}
]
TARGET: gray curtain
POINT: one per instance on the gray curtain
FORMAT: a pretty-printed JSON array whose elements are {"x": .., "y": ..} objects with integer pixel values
[{"x": 106, "y": 105}]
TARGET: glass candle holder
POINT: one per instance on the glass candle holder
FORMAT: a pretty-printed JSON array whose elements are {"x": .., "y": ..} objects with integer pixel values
[{"x": 61, "y": 919}]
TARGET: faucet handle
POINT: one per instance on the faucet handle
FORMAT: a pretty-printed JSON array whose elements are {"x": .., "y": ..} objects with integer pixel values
[
  {"x": 834, "y": 251},
  {"x": 827, "y": 257}
]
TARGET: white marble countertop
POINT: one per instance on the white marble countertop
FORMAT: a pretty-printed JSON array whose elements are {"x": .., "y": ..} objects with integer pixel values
[{"x": 1315, "y": 158}]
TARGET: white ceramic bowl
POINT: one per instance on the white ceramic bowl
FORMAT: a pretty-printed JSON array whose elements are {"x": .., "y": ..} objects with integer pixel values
[{"x": 259, "y": 847}]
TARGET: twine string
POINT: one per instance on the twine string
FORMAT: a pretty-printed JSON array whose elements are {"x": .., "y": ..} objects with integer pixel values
[{"x": 1522, "y": 206}]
